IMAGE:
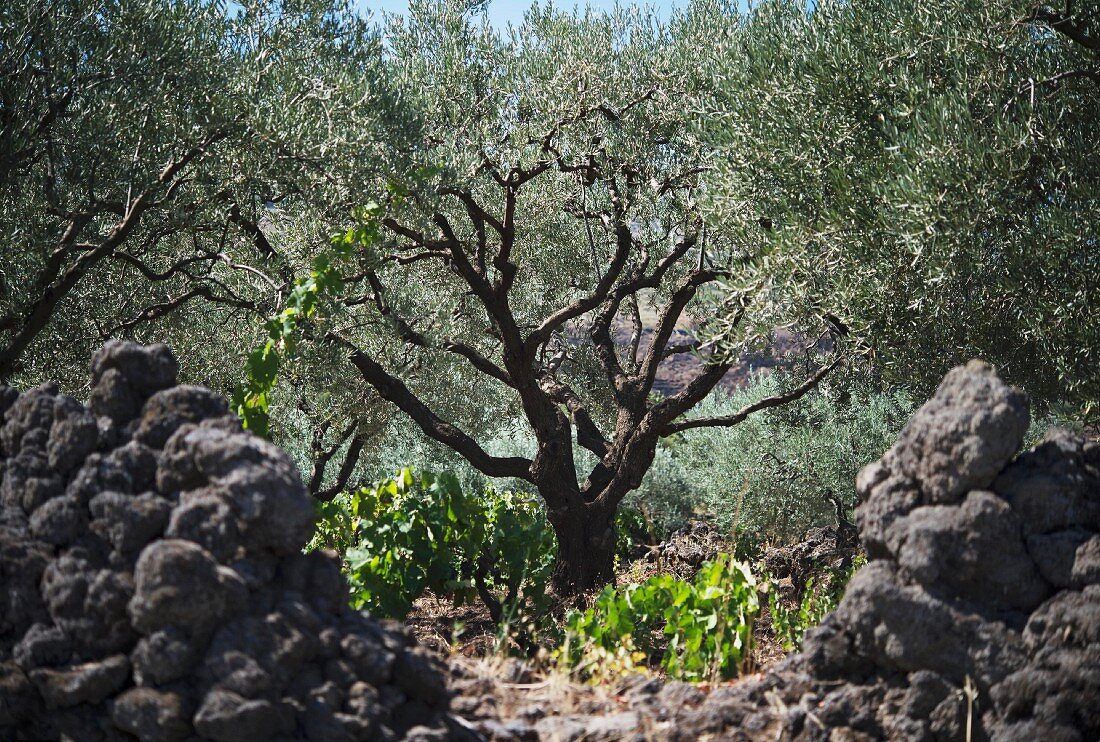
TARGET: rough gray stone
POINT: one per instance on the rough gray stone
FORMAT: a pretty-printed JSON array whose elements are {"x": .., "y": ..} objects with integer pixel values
[
  {"x": 137, "y": 464},
  {"x": 206, "y": 516},
  {"x": 975, "y": 550},
  {"x": 1055, "y": 486},
  {"x": 163, "y": 656},
  {"x": 73, "y": 435},
  {"x": 59, "y": 521},
  {"x": 983, "y": 579},
  {"x": 1067, "y": 558},
  {"x": 22, "y": 562},
  {"x": 152, "y": 715},
  {"x": 419, "y": 675},
  {"x": 983, "y": 571},
  {"x": 227, "y": 717},
  {"x": 128, "y": 522},
  {"x": 199, "y": 456},
  {"x": 100, "y": 474},
  {"x": 42, "y": 646},
  {"x": 1071, "y": 618},
  {"x": 176, "y": 584},
  {"x": 32, "y": 412},
  {"x": 620, "y": 726},
  {"x": 88, "y": 683},
  {"x": 114, "y": 399},
  {"x": 169, "y": 409},
  {"x": 963, "y": 437},
  {"x": 89, "y": 604},
  {"x": 561, "y": 728},
  {"x": 19, "y": 699},
  {"x": 188, "y": 612},
  {"x": 8, "y": 395},
  {"x": 146, "y": 368}
]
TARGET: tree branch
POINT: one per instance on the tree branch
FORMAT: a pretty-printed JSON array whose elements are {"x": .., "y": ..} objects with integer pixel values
[
  {"x": 252, "y": 229},
  {"x": 393, "y": 390},
  {"x": 636, "y": 334},
  {"x": 776, "y": 400},
  {"x": 153, "y": 275},
  {"x": 588, "y": 433},
  {"x": 624, "y": 240},
  {"x": 406, "y": 332},
  {"x": 666, "y": 324},
  {"x": 351, "y": 459},
  {"x": 474, "y": 209},
  {"x": 321, "y": 456},
  {"x": 59, "y": 287},
  {"x": 1067, "y": 26},
  {"x": 679, "y": 348},
  {"x": 156, "y": 311}
]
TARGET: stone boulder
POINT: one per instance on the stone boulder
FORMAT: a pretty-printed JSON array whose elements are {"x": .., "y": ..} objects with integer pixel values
[
  {"x": 978, "y": 612},
  {"x": 153, "y": 585}
]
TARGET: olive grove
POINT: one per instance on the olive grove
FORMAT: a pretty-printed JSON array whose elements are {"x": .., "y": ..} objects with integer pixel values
[
  {"x": 530, "y": 222},
  {"x": 142, "y": 147},
  {"x": 558, "y": 193}
]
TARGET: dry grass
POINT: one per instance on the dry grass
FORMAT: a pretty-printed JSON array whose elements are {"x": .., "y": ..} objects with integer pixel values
[
  {"x": 440, "y": 625},
  {"x": 547, "y": 688},
  {"x": 492, "y": 688},
  {"x": 551, "y": 692}
]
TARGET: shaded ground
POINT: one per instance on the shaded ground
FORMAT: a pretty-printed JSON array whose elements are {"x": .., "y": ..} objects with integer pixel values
[
  {"x": 502, "y": 700},
  {"x": 460, "y": 631}
]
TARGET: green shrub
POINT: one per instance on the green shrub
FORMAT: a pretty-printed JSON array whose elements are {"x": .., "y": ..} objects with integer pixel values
[
  {"x": 818, "y": 599},
  {"x": 771, "y": 477},
  {"x": 668, "y": 496},
  {"x": 415, "y": 533},
  {"x": 514, "y": 562},
  {"x": 697, "y": 630},
  {"x": 632, "y": 527}
]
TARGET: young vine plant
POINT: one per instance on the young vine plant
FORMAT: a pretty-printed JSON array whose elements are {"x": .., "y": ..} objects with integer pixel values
[
  {"x": 695, "y": 630},
  {"x": 251, "y": 399}
]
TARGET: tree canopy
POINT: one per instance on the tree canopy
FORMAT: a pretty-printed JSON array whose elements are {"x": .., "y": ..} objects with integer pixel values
[
  {"x": 928, "y": 173},
  {"x": 557, "y": 192},
  {"x": 530, "y": 222},
  {"x": 144, "y": 143}
]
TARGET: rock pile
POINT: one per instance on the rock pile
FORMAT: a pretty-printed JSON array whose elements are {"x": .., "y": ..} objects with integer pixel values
[
  {"x": 152, "y": 583},
  {"x": 979, "y": 609}
]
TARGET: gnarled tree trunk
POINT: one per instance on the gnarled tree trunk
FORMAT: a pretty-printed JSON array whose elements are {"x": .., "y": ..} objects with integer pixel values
[{"x": 586, "y": 548}]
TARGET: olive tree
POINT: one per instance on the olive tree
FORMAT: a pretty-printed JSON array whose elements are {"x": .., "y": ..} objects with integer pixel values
[
  {"x": 550, "y": 240},
  {"x": 165, "y": 169},
  {"x": 928, "y": 173}
]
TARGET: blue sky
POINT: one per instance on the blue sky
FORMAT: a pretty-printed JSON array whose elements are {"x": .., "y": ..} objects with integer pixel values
[{"x": 502, "y": 12}]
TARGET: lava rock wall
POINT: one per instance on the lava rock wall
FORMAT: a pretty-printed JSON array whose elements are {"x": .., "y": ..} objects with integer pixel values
[
  {"x": 153, "y": 585},
  {"x": 979, "y": 608}
]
